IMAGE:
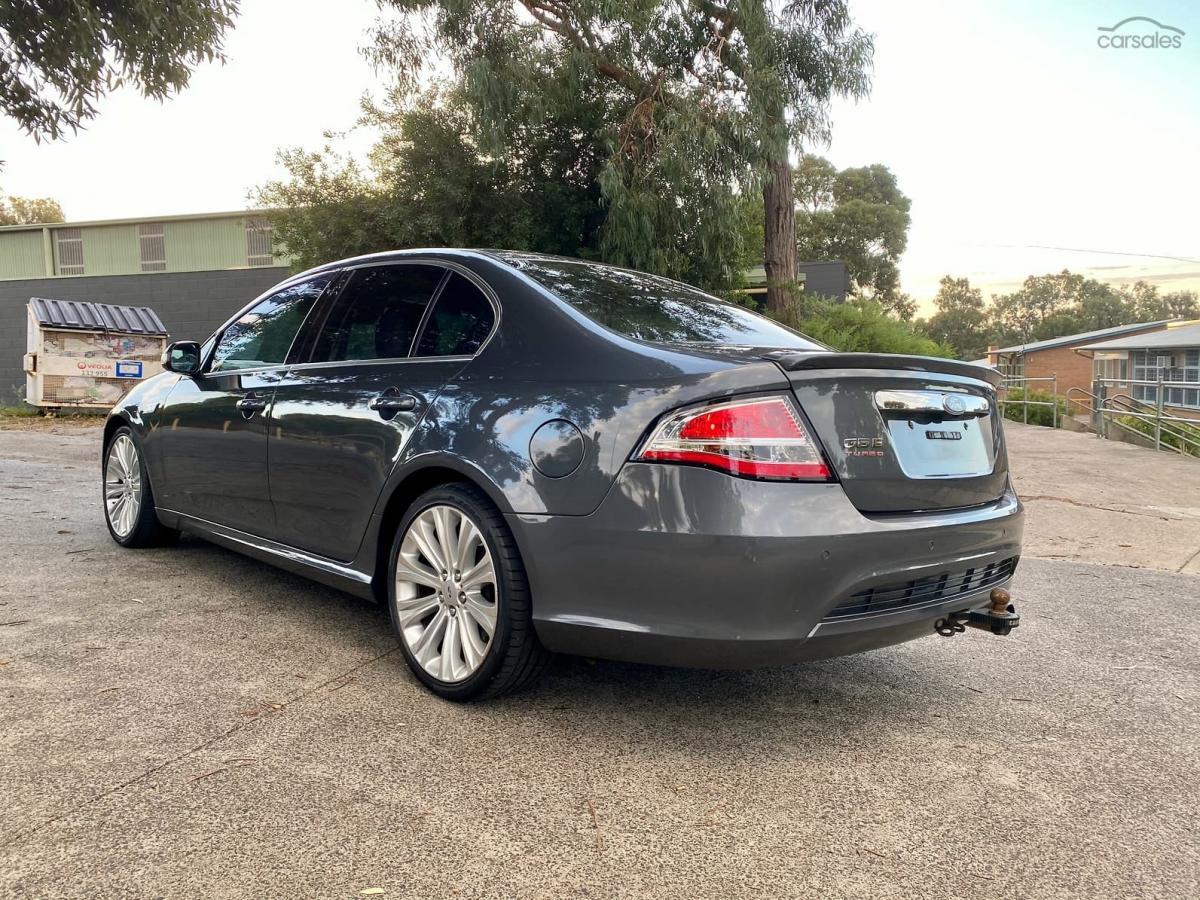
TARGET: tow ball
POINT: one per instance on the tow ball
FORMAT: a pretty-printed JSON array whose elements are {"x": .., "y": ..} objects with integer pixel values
[{"x": 999, "y": 618}]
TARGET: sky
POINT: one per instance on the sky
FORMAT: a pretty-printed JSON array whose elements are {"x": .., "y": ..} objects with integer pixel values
[{"x": 1024, "y": 146}]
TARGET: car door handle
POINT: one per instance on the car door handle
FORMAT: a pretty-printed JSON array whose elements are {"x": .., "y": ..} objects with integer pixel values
[
  {"x": 393, "y": 403},
  {"x": 251, "y": 404}
]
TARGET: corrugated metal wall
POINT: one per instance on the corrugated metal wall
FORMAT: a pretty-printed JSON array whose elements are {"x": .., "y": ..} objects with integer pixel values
[
  {"x": 21, "y": 254},
  {"x": 190, "y": 245}
]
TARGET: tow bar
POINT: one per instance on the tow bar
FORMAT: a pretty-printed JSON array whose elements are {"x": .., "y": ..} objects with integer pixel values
[{"x": 1000, "y": 618}]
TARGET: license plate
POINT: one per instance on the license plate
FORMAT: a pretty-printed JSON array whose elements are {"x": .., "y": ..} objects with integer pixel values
[{"x": 940, "y": 450}]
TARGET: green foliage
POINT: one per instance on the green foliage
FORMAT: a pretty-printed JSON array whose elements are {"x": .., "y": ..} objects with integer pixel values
[
  {"x": 858, "y": 216},
  {"x": 29, "y": 211},
  {"x": 859, "y": 325},
  {"x": 1049, "y": 306},
  {"x": 1016, "y": 409},
  {"x": 1148, "y": 305},
  {"x": 430, "y": 185},
  {"x": 1046, "y": 306},
  {"x": 695, "y": 99},
  {"x": 961, "y": 319},
  {"x": 18, "y": 408},
  {"x": 58, "y": 59},
  {"x": 22, "y": 411},
  {"x": 1185, "y": 438}
]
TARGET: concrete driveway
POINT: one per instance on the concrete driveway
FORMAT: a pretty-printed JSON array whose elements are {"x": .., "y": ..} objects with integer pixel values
[{"x": 186, "y": 722}]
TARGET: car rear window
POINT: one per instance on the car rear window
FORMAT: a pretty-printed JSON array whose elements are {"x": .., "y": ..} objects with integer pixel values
[{"x": 651, "y": 308}]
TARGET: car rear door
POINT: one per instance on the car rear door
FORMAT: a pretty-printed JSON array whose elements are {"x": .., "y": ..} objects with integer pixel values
[
  {"x": 388, "y": 342},
  {"x": 211, "y": 432}
]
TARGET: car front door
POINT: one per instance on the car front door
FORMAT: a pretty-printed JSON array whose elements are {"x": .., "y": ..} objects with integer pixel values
[
  {"x": 212, "y": 429},
  {"x": 393, "y": 336}
]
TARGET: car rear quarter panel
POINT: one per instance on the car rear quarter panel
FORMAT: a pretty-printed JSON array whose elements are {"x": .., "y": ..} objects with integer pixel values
[{"x": 546, "y": 362}]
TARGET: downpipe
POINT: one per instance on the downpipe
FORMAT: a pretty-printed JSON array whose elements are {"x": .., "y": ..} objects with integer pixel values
[{"x": 1000, "y": 618}]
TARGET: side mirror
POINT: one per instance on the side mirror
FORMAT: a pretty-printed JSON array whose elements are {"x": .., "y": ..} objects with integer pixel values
[{"x": 182, "y": 357}]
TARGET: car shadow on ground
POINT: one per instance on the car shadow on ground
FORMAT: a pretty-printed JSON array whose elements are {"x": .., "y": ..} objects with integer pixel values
[{"x": 704, "y": 708}]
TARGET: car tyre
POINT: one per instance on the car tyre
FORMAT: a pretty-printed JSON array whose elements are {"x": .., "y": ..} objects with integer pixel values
[
  {"x": 420, "y": 605},
  {"x": 126, "y": 495}
]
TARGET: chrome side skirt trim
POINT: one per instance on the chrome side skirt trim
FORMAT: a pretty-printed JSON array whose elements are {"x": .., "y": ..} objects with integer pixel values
[{"x": 282, "y": 552}]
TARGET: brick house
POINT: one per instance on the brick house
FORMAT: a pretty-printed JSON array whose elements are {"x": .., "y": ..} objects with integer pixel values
[
  {"x": 1056, "y": 357},
  {"x": 1172, "y": 354}
]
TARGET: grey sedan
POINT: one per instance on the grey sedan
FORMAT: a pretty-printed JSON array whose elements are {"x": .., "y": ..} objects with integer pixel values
[{"x": 522, "y": 454}]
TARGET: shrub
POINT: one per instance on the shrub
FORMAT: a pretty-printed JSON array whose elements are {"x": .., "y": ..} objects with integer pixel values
[
  {"x": 1015, "y": 408},
  {"x": 1171, "y": 433},
  {"x": 856, "y": 326}
]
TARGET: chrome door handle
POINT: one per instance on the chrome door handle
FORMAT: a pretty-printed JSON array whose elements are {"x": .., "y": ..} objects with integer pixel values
[
  {"x": 251, "y": 404},
  {"x": 393, "y": 403}
]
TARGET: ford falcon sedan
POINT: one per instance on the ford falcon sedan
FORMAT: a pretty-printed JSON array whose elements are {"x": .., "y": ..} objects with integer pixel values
[{"x": 523, "y": 454}]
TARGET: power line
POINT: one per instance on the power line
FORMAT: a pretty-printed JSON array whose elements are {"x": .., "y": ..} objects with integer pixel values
[{"x": 1102, "y": 252}]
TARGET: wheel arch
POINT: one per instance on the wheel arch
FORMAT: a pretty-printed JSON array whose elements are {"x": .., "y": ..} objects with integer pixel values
[
  {"x": 111, "y": 425},
  {"x": 405, "y": 487}
]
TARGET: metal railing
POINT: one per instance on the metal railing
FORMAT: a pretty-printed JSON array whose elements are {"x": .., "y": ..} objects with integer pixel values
[
  {"x": 1021, "y": 383},
  {"x": 1108, "y": 409}
]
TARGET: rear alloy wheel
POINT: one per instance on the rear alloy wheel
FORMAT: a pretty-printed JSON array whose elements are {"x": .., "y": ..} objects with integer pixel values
[
  {"x": 459, "y": 597},
  {"x": 128, "y": 500}
]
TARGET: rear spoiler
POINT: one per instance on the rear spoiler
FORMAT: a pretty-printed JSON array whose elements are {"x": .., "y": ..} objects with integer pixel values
[{"x": 794, "y": 361}]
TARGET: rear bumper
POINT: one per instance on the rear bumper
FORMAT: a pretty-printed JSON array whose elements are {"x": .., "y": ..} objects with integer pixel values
[{"x": 686, "y": 566}]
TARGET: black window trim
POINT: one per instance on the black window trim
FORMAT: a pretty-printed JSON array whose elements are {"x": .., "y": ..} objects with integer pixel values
[
  {"x": 449, "y": 267},
  {"x": 334, "y": 281}
]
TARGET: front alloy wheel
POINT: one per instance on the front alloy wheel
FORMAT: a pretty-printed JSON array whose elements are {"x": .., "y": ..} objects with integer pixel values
[
  {"x": 122, "y": 486},
  {"x": 459, "y": 597},
  {"x": 128, "y": 501}
]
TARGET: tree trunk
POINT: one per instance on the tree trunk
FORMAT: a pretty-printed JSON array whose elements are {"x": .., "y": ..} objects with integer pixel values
[{"x": 779, "y": 232}]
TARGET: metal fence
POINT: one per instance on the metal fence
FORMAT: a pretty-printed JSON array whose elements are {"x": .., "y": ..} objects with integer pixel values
[
  {"x": 1023, "y": 384},
  {"x": 1110, "y": 408}
]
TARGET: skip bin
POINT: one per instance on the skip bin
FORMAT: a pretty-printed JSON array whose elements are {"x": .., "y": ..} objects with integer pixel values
[{"x": 89, "y": 354}]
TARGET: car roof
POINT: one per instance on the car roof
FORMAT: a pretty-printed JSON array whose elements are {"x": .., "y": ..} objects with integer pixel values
[
  {"x": 509, "y": 258},
  {"x": 438, "y": 252}
]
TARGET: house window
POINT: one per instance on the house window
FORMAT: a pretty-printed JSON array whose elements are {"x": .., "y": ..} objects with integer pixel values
[
  {"x": 258, "y": 243},
  {"x": 151, "y": 247},
  {"x": 1011, "y": 365},
  {"x": 1186, "y": 369},
  {"x": 1173, "y": 366},
  {"x": 1145, "y": 368},
  {"x": 69, "y": 243},
  {"x": 1112, "y": 370}
]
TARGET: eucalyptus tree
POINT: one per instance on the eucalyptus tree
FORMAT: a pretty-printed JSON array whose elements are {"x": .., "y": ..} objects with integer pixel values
[
  {"x": 859, "y": 216},
  {"x": 59, "y": 57},
  {"x": 30, "y": 211},
  {"x": 709, "y": 100}
]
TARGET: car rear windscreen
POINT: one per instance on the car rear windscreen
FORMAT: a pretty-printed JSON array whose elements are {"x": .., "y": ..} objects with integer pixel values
[{"x": 651, "y": 308}]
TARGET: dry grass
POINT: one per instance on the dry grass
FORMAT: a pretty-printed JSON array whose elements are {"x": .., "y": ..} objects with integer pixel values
[{"x": 31, "y": 419}]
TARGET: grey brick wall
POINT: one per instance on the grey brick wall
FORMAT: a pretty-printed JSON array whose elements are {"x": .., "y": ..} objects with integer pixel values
[
  {"x": 827, "y": 279},
  {"x": 191, "y": 304}
]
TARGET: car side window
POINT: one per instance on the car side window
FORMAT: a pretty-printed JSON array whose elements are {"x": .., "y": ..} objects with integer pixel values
[
  {"x": 377, "y": 314},
  {"x": 460, "y": 321},
  {"x": 263, "y": 335}
]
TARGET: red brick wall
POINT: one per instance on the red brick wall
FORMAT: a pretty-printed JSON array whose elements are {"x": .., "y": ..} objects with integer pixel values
[{"x": 1072, "y": 369}]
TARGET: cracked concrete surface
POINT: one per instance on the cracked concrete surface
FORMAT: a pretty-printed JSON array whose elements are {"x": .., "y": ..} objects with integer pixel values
[
  {"x": 1105, "y": 501},
  {"x": 187, "y": 722}
]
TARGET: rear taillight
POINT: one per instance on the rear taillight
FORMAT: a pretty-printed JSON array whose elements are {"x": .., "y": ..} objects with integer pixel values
[{"x": 759, "y": 438}]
